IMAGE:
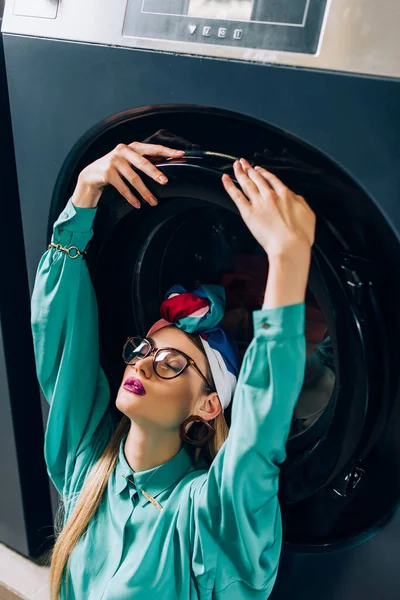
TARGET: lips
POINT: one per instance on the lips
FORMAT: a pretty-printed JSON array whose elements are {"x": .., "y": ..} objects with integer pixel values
[{"x": 135, "y": 386}]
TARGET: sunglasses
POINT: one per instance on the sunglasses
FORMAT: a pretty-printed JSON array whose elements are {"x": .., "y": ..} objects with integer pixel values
[{"x": 168, "y": 363}]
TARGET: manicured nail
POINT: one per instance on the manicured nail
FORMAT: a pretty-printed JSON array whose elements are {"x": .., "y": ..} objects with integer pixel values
[
  {"x": 163, "y": 179},
  {"x": 179, "y": 151},
  {"x": 153, "y": 201}
]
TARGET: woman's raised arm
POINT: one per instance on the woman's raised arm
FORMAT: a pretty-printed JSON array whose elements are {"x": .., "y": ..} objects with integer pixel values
[
  {"x": 65, "y": 315},
  {"x": 236, "y": 503},
  {"x": 65, "y": 335}
]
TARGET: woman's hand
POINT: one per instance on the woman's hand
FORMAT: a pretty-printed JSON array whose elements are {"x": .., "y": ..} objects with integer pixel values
[
  {"x": 124, "y": 160},
  {"x": 282, "y": 223},
  {"x": 280, "y": 220}
]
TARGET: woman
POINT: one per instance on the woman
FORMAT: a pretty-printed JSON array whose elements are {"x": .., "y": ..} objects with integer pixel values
[{"x": 143, "y": 518}]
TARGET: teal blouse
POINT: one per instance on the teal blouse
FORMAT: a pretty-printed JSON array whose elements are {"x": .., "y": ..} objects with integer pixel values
[{"x": 217, "y": 532}]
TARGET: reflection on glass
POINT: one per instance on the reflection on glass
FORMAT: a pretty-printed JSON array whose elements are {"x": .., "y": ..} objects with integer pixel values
[
  {"x": 238, "y": 10},
  {"x": 319, "y": 380}
]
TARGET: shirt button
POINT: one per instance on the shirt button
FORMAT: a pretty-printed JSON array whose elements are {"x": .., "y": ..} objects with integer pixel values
[
  {"x": 265, "y": 325},
  {"x": 124, "y": 476}
]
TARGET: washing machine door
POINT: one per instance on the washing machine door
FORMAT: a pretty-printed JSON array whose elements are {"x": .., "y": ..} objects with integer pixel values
[{"x": 194, "y": 235}]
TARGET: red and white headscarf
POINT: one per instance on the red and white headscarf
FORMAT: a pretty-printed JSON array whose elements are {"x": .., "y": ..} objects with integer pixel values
[{"x": 200, "y": 310}]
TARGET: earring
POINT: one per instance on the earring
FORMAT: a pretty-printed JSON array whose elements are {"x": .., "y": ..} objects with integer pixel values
[{"x": 198, "y": 442}]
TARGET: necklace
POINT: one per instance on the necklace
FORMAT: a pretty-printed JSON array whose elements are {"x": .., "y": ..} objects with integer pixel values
[{"x": 145, "y": 494}]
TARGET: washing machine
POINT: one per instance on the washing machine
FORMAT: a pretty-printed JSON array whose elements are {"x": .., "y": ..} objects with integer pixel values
[
  {"x": 25, "y": 493},
  {"x": 307, "y": 88}
]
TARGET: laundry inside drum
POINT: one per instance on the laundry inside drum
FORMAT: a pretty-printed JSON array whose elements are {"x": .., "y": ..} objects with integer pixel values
[{"x": 214, "y": 246}]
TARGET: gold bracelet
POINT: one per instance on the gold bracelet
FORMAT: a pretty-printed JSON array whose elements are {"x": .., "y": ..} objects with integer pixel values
[{"x": 67, "y": 250}]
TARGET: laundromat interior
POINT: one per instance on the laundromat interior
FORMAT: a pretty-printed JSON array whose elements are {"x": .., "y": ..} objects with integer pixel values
[{"x": 308, "y": 89}]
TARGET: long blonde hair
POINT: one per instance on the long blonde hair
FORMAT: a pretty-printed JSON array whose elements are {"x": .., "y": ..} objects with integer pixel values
[{"x": 91, "y": 494}]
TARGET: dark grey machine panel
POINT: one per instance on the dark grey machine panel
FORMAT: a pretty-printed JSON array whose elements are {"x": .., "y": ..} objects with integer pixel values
[
  {"x": 25, "y": 510},
  {"x": 290, "y": 25}
]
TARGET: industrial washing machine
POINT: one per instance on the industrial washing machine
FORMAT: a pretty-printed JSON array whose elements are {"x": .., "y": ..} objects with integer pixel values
[{"x": 308, "y": 88}]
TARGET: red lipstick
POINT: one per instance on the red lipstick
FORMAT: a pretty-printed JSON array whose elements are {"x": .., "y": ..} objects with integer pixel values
[{"x": 135, "y": 386}]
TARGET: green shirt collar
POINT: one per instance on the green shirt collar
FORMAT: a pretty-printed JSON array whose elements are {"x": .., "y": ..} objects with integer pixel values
[{"x": 153, "y": 481}]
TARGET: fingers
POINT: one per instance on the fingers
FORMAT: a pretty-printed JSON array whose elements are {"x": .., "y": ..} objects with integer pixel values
[
  {"x": 134, "y": 179},
  {"x": 248, "y": 186},
  {"x": 276, "y": 184},
  {"x": 237, "y": 195},
  {"x": 303, "y": 202},
  {"x": 165, "y": 138},
  {"x": 155, "y": 150},
  {"x": 251, "y": 182},
  {"x": 259, "y": 181},
  {"x": 141, "y": 163},
  {"x": 123, "y": 189},
  {"x": 124, "y": 157},
  {"x": 280, "y": 188}
]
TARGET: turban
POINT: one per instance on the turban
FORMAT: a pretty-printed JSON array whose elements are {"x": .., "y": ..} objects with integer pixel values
[{"x": 199, "y": 311}]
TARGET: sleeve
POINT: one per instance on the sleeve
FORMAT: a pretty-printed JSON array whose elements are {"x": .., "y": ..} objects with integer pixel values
[
  {"x": 236, "y": 504},
  {"x": 64, "y": 321}
]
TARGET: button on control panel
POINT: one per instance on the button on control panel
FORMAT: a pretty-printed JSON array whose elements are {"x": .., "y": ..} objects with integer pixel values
[{"x": 220, "y": 32}]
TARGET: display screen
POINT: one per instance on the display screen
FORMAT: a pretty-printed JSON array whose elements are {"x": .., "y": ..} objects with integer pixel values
[
  {"x": 291, "y": 12},
  {"x": 289, "y": 25},
  {"x": 233, "y": 10}
]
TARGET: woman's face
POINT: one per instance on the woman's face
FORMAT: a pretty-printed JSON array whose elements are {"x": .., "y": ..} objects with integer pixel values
[{"x": 168, "y": 402}]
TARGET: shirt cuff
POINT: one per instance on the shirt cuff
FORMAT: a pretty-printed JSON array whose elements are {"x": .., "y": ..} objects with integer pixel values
[
  {"x": 76, "y": 218},
  {"x": 283, "y": 321}
]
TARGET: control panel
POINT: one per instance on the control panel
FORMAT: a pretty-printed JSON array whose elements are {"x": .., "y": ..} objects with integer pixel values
[
  {"x": 290, "y": 25},
  {"x": 353, "y": 36}
]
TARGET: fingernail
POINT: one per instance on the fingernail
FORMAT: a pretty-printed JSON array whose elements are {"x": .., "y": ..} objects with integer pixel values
[
  {"x": 137, "y": 205},
  {"x": 153, "y": 201},
  {"x": 179, "y": 151},
  {"x": 163, "y": 179}
]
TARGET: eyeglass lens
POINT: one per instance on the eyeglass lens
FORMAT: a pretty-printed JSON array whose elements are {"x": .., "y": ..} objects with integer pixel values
[{"x": 167, "y": 364}]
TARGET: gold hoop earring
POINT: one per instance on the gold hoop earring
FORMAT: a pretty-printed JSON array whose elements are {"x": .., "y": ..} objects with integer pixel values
[{"x": 197, "y": 442}]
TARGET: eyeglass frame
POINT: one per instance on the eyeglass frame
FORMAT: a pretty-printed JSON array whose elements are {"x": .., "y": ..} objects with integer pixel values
[{"x": 154, "y": 350}]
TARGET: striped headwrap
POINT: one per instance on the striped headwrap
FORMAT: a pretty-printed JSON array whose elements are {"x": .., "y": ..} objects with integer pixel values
[{"x": 199, "y": 311}]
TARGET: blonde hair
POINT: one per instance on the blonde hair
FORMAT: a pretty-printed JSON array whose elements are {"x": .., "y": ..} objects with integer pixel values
[{"x": 68, "y": 534}]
